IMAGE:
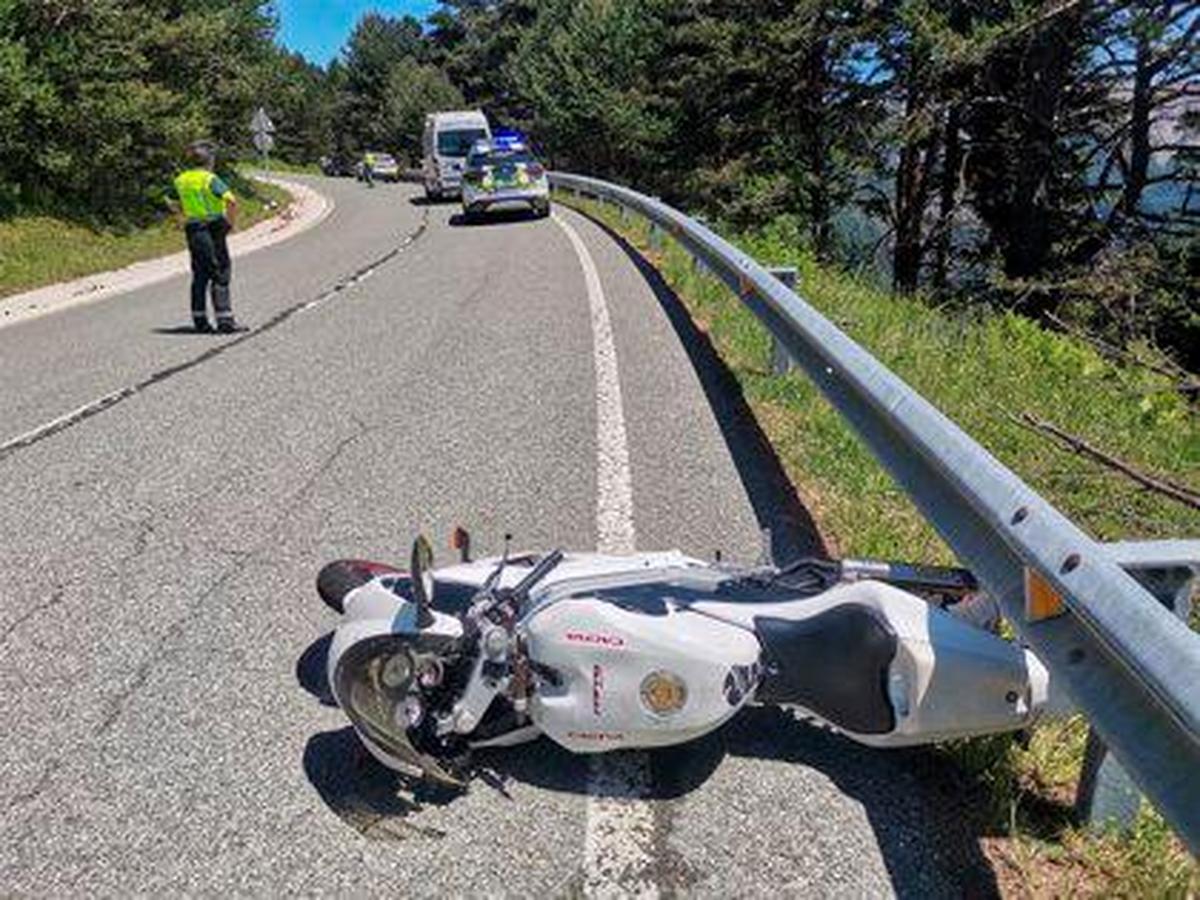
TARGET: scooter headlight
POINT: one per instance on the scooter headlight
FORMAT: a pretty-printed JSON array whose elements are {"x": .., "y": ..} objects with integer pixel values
[
  {"x": 395, "y": 672},
  {"x": 376, "y": 683}
]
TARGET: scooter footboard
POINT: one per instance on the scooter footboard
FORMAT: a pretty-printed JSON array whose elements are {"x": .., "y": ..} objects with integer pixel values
[{"x": 889, "y": 669}]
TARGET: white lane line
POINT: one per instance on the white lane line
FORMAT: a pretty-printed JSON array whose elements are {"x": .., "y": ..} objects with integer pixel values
[
  {"x": 614, "y": 488},
  {"x": 619, "y": 838}
]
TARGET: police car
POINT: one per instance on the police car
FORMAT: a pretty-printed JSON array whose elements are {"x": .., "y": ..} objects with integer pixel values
[
  {"x": 502, "y": 173},
  {"x": 382, "y": 165}
]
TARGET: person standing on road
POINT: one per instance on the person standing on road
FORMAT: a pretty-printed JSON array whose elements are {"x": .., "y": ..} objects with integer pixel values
[{"x": 210, "y": 209}]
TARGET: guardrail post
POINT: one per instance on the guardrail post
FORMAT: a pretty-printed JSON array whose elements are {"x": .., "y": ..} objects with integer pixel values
[
  {"x": 657, "y": 236},
  {"x": 781, "y": 360},
  {"x": 698, "y": 266},
  {"x": 1107, "y": 797}
]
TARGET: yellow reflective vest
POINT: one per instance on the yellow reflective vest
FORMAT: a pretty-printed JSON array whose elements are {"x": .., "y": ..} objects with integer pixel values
[{"x": 195, "y": 189}]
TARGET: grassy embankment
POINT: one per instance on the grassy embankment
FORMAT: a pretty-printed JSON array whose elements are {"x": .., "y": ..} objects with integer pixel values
[
  {"x": 38, "y": 250},
  {"x": 983, "y": 370}
]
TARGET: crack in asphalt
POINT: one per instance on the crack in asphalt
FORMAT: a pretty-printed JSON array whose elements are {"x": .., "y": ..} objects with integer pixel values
[
  {"x": 39, "y": 786},
  {"x": 95, "y": 407},
  {"x": 56, "y": 597},
  {"x": 117, "y": 705}
]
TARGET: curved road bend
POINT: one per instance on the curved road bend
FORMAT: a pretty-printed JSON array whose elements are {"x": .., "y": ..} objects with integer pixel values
[{"x": 160, "y": 634}]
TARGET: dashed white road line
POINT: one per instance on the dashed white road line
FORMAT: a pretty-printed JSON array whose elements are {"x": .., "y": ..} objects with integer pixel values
[{"x": 618, "y": 842}]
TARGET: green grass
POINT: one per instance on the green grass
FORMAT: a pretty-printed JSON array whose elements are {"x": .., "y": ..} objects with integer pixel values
[
  {"x": 981, "y": 369},
  {"x": 41, "y": 250}
]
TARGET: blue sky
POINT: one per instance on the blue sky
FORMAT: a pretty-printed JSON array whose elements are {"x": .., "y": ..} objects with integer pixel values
[{"x": 318, "y": 28}]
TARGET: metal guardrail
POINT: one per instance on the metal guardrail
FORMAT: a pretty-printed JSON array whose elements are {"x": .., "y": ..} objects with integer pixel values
[{"x": 1125, "y": 660}]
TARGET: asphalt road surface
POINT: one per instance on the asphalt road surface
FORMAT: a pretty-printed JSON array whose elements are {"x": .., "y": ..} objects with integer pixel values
[{"x": 166, "y": 500}]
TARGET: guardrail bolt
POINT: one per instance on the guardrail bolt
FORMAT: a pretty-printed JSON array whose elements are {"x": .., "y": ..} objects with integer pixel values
[
  {"x": 1071, "y": 563},
  {"x": 1020, "y": 515},
  {"x": 781, "y": 360}
]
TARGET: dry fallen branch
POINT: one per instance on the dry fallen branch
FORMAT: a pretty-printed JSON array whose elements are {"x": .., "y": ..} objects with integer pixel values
[
  {"x": 1186, "y": 382},
  {"x": 1177, "y": 492}
]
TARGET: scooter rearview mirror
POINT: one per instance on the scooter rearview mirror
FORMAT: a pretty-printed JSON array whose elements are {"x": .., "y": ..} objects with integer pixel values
[{"x": 421, "y": 572}]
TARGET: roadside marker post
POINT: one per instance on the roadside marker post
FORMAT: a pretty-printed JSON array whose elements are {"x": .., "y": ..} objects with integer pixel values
[{"x": 262, "y": 130}]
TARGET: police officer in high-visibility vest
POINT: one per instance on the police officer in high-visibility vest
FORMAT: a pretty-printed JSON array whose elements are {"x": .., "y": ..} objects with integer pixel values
[{"x": 210, "y": 209}]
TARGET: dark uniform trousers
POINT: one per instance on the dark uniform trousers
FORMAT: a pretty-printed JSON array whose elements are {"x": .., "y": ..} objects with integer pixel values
[{"x": 210, "y": 266}]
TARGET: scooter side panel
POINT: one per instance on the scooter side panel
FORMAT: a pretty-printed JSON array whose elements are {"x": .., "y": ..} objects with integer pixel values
[{"x": 629, "y": 679}]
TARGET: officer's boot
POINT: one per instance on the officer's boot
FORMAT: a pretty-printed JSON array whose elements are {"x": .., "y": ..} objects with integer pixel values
[{"x": 221, "y": 303}]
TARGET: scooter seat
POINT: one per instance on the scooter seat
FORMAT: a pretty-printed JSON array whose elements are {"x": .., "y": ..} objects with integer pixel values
[{"x": 834, "y": 664}]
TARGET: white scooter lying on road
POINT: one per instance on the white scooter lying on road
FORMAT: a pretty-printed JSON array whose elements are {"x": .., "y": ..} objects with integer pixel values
[{"x": 603, "y": 653}]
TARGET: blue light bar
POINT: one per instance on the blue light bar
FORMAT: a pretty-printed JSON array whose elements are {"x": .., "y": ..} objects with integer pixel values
[{"x": 508, "y": 139}]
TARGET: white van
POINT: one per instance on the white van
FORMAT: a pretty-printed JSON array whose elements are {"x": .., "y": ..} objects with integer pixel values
[{"x": 448, "y": 139}]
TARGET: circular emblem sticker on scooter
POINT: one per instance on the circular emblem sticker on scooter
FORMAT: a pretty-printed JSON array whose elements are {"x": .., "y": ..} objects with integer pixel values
[{"x": 663, "y": 693}]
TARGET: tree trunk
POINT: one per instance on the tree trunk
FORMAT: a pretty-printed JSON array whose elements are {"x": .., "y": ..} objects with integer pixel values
[
  {"x": 1139, "y": 129},
  {"x": 952, "y": 159},
  {"x": 912, "y": 188},
  {"x": 1046, "y": 70},
  {"x": 820, "y": 230}
]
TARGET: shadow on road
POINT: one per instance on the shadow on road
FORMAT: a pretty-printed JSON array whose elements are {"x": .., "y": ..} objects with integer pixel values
[
  {"x": 183, "y": 330},
  {"x": 310, "y": 670},
  {"x": 370, "y": 798},
  {"x": 776, "y": 504},
  {"x": 926, "y": 815},
  {"x": 924, "y": 812},
  {"x": 486, "y": 220}
]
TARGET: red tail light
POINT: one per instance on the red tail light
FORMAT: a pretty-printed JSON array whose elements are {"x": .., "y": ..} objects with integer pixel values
[{"x": 536, "y": 170}]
